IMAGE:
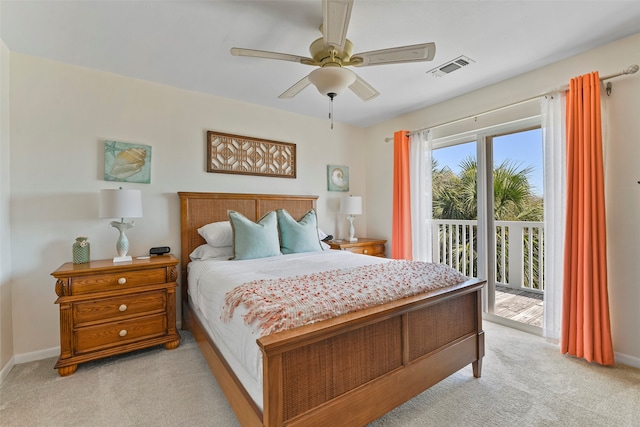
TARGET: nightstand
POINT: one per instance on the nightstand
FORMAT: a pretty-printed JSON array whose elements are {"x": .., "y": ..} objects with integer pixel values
[
  {"x": 109, "y": 308},
  {"x": 373, "y": 247}
]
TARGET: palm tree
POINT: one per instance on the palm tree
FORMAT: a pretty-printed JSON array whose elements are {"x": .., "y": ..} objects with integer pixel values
[
  {"x": 456, "y": 197},
  {"x": 445, "y": 184}
]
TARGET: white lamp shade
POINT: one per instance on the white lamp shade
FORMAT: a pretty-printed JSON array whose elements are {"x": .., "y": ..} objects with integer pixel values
[
  {"x": 351, "y": 205},
  {"x": 120, "y": 203},
  {"x": 332, "y": 79}
]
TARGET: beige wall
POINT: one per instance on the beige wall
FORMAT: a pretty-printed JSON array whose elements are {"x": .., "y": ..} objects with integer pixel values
[
  {"x": 6, "y": 325},
  {"x": 60, "y": 116},
  {"x": 621, "y": 175}
]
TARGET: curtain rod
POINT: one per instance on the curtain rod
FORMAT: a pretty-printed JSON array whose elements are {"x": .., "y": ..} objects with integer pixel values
[{"x": 632, "y": 69}]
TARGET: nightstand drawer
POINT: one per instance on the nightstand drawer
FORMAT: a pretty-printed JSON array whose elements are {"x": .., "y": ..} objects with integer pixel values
[
  {"x": 108, "y": 308},
  {"x": 115, "y": 281},
  {"x": 375, "y": 250},
  {"x": 119, "y": 333}
]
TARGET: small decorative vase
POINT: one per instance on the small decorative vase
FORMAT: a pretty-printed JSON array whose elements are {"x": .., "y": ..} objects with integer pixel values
[{"x": 81, "y": 250}]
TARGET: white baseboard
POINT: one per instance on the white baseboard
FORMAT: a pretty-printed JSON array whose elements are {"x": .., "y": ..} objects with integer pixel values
[
  {"x": 6, "y": 368},
  {"x": 627, "y": 360},
  {"x": 28, "y": 357},
  {"x": 37, "y": 355}
]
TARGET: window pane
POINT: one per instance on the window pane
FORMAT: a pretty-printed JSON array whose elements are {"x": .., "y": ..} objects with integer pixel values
[{"x": 455, "y": 207}]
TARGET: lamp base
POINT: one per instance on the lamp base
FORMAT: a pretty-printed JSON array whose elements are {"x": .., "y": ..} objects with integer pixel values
[
  {"x": 352, "y": 230},
  {"x": 122, "y": 258}
]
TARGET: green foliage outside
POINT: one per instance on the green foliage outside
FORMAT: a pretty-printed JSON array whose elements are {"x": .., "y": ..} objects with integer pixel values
[{"x": 455, "y": 197}]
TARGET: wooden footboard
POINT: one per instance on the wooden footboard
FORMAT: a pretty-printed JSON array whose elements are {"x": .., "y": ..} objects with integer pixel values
[
  {"x": 353, "y": 369},
  {"x": 358, "y": 367}
]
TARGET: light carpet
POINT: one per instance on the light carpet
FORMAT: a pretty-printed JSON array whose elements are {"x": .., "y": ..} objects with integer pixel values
[{"x": 525, "y": 382}]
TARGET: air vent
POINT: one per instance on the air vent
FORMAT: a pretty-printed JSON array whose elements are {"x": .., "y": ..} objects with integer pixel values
[{"x": 451, "y": 66}]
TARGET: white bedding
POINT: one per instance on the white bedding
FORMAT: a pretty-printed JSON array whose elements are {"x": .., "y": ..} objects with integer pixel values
[{"x": 210, "y": 280}]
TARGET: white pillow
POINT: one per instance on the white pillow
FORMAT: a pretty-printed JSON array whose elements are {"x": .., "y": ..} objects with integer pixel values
[
  {"x": 217, "y": 234},
  {"x": 203, "y": 252}
]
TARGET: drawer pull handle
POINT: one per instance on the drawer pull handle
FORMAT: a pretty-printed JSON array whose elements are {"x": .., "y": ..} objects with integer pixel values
[
  {"x": 366, "y": 251},
  {"x": 123, "y": 307},
  {"x": 122, "y": 281},
  {"x": 123, "y": 333}
]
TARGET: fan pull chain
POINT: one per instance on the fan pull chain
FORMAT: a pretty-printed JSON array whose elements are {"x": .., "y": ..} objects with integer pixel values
[
  {"x": 331, "y": 96},
  {"x": 331, "y": 112}
]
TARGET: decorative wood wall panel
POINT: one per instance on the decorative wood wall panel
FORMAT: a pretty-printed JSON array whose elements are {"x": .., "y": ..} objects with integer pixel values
[{"x": 227, "y": 153}]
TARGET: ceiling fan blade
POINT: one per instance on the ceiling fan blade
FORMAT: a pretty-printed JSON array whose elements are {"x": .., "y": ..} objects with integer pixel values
[
  {"x": 395, "y": 55},
  {"x": 363, "y": 89},
  {"x": 236, "y": 51},
  {"x": 295, "y": 89},
  {"x": 335, "y": 21}
]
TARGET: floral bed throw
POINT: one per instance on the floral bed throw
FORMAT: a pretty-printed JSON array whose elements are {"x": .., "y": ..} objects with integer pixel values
[{"x": 281, "y": 304}]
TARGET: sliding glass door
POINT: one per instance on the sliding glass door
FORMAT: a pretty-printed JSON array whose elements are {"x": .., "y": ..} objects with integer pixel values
[
  {"x": 487, "y": 217},
  {"x": 516, "y": 241}
]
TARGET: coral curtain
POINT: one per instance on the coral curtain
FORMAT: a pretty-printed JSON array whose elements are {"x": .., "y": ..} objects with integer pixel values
[
  {"x": 586, "y": 331},
  {"x": 401, "y": 225}
]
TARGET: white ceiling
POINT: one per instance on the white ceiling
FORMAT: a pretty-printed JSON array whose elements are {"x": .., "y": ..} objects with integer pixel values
[{"x": 186, "y": 44}]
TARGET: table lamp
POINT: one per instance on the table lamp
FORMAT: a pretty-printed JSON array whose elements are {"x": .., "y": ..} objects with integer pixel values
[
  {"x": 121, "y": 204},
  {"x": 351, "y": 206}
]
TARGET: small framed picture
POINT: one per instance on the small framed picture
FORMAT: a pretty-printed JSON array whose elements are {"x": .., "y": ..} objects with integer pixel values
[
  {"x": 337, "y": 178},
  {"x": 126, "y": 162}
]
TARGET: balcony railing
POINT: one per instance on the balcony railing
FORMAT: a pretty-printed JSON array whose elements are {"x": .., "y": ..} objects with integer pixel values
[{"x": 519, "y": 249}]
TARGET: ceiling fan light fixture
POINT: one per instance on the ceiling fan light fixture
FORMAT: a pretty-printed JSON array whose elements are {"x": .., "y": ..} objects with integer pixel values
[
  {"x": 332, "y": 80},
  {"x": 334, "y": 50}
]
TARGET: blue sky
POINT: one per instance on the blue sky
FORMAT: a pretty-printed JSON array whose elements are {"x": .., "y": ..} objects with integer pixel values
[{"x": 525, "y": 148}]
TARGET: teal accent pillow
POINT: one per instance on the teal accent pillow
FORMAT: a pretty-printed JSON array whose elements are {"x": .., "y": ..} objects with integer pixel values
[
  {"x": 254, "y": 239},
  {"x": 298, "y": 236}
]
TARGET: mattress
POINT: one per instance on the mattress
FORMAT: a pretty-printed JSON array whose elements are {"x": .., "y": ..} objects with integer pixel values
[{"x": 210, "y": 280}]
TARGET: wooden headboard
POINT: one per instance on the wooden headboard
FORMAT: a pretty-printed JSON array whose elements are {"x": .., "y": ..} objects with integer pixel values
[{"x": 198, "y": 209}]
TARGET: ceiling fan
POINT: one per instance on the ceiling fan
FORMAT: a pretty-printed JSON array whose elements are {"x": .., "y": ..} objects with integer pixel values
[{"x": 333, "y": 52}]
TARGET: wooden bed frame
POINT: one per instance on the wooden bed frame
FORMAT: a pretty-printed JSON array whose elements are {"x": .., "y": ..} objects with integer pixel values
[{"x": 349, "y": 370}]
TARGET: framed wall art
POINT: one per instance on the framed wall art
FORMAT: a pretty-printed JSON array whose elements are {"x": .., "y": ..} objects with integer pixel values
[
  {"x": 126, "y": 162},
  {"x": 236, "y": 154},
  {"x": 337, "y": 178}
]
